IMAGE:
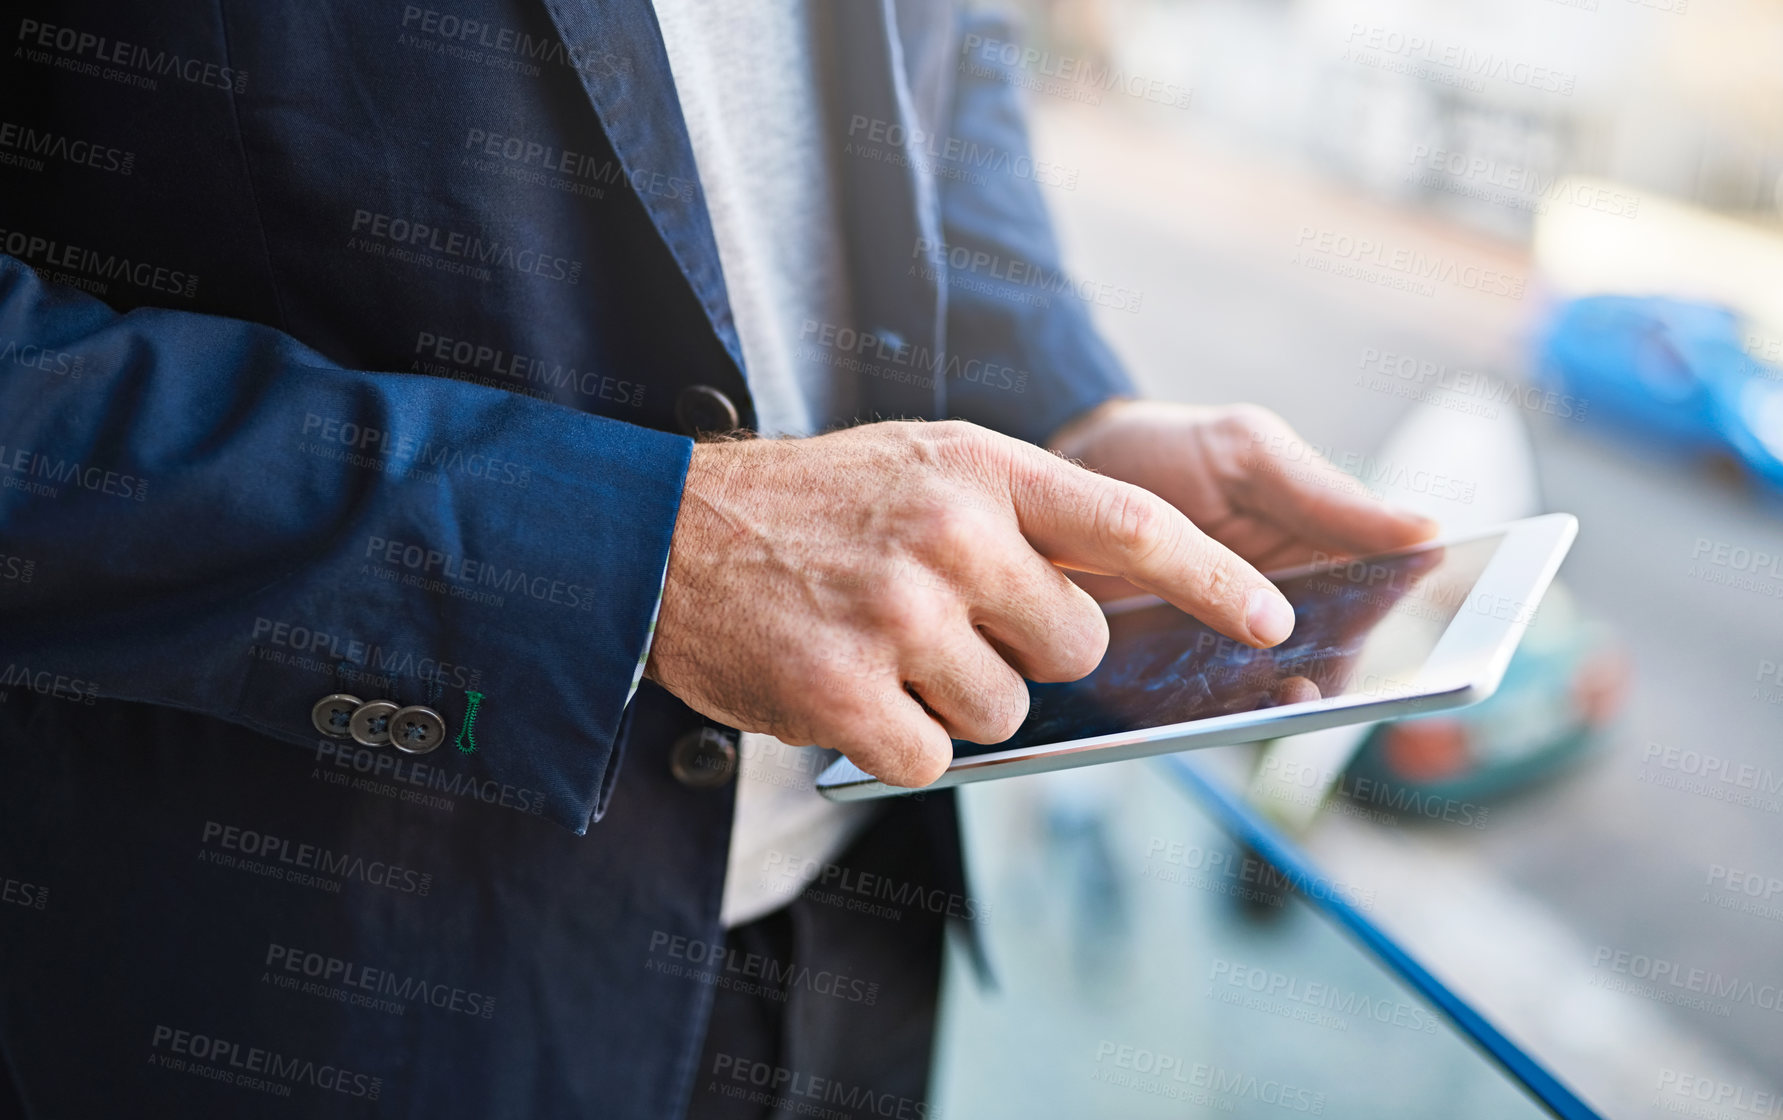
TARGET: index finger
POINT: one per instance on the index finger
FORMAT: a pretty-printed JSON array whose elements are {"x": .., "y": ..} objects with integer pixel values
[{"x": 1079, "y": 519}]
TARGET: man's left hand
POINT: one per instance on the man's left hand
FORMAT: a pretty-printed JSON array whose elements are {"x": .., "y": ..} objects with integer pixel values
[{"x": 1243, "y": 476}]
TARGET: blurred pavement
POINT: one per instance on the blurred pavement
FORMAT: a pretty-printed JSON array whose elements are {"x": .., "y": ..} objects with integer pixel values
[{"x": 1523, "y": 914}]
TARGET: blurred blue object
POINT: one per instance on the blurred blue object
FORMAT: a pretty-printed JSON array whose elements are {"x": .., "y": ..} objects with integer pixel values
[{"x": 1671, "y": 371}]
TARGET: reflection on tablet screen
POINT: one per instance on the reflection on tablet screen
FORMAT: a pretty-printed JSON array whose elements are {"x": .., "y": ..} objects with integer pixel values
[{"x": 1368, "y": 626}]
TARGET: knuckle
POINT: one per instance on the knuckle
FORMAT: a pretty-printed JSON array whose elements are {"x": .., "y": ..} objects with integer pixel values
[
  {"x": 918, "y": 760},
  {"x": 993, "y": 705},
  {"x": 917, "y": 445},
  {"x": 1009, "y": 714},
  {"x": 956, "y": 499},
  {"x": 1251, "y": 427},
  {"x": 954, "y": 431},
  {"x": 1082, "y": 644},
  {"x": 1077, "y": 638},
  {"x": 905, "y": 616},
  {"x": 973, "y": 452},
  {"x": 1131, "y": 522},
  {"x": 837, "y": 679},
  {"x": 836, "y": 709},
  {"x": 1245, "y": 419},
  {"x": 944, "y": 440},
  {"x": 1218, "y": 579},
  {"x": 952, "y": 533}
]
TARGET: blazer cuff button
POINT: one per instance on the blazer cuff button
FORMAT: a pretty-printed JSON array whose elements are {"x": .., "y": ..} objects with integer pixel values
[
  {"x": 371, "y": 723},
  {"x": 333, "y": 715},
  {"x": 416, "y": 730}
]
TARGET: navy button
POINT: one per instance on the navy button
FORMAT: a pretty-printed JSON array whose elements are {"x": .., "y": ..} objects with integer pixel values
[
  {"x": 701, "y": 409},
  {"x": 705, "y": 758}
]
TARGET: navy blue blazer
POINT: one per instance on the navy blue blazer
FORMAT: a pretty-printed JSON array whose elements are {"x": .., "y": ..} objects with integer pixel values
[{"x": 352, "y": 347}]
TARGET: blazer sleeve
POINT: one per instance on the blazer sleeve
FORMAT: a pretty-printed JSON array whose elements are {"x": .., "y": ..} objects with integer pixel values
[
  {"x": 1023, "y": 354},
  {"x": 202, "y": 513}
]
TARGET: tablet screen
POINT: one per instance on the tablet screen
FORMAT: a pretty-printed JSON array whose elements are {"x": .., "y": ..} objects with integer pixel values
[{"x": 1368, "y": 626}]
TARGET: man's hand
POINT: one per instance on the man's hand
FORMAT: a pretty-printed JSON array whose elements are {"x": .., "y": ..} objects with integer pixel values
[
  {"x": 882, "y": 589},
  {"x": 1242, "y": 475}
]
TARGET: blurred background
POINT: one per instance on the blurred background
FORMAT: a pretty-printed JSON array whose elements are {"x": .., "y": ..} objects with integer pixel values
[{"x": 1536, "y": 246}]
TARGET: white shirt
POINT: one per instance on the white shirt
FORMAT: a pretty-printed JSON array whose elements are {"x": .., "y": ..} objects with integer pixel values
[{"x": 748, "y": 78}]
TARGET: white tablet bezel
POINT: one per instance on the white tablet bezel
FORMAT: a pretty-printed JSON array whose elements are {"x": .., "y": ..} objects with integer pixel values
[{"x": 1463, "y": 668}]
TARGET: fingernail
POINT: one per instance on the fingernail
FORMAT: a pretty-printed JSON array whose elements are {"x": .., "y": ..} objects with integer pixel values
[{"x": 1269, "y": 616}]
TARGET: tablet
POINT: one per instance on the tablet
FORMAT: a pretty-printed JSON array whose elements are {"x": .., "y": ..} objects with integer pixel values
[{"x": 1378, "y": 637}]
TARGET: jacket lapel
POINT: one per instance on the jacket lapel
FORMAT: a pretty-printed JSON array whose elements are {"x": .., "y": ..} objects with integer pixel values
[
  {"x": 890, "y": 211},
  {"x": 640, "y": 112}
]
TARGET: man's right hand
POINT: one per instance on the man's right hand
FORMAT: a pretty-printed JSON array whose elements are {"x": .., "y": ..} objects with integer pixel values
[{"x": 883, "y": 589}]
